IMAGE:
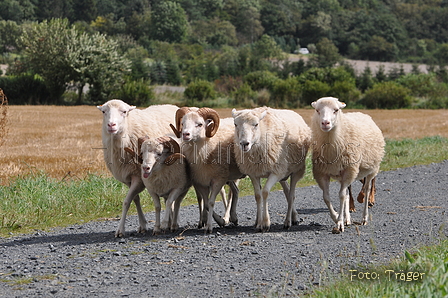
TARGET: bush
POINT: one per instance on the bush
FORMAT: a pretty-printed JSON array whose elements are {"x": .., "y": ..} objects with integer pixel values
[
  {"x": 261, "y": 79},
  {"x": 387, "y": 95},
  {"x": 345, "y": 91},
  {"x": 200, "y": 90},
  {"x": 137, "y": 93},
  {"x": 286, "y": 93},
  {"x": 313, "y": 90},
  {"x": 25, "y": 89},
  {"x": 244, "y": 96}
]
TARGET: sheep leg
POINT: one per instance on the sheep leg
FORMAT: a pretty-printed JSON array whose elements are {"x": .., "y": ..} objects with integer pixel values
[
  {"x": 215, "y": 189},
  {"x": 266, "y": 221},
  {"x": 291, "y": 214},
  {"x": 201, "y": 193},
  {"x": 158, "y": 208},
  {"x": 372, "y": 193},
  {"x": 175, "y": 211},
  {"x": 227, "y": 203},
  {"x": 234, "y": 190},
  {"x": 324, "y": 184},
  {"x": 352, "y": 201},
  {"x": 136, "y": 186},
  {"x": 367, "y": 190},
  {"x": 168, "y": 218},
  {"x": 257, "y": 193}
]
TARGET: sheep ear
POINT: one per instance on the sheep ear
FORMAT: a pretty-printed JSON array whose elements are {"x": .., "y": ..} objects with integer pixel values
[
  {"x": 342, "y": 105},
  {"x": 263, "y": 114},
  {"x": 132, "y": 108},
  {"x": 233, "y": 112},
  {"x": 100, "y": 107},
  {"x": 313, "y": 104}
]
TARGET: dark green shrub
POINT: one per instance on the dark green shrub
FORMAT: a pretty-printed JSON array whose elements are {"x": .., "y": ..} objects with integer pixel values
[
  {"x": 387, "y": 95},
  {"x": 286, "y": 93},
  {"x": 25, "y": 89},
  {"x": 345, "y": 91},
  {"x": 261, "y": 79},
  {"x": 244, "y": 96},
  {"x": 200, "y": 90},
  {"x": 313, "y": 90},
  {"x": 137, "y": 93}
]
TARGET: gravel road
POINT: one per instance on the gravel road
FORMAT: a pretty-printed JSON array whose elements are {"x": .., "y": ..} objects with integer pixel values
[{"x": 87, "y": 261}]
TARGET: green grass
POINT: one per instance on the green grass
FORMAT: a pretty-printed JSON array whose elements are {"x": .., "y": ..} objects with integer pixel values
[
  {"x": 423, "y": 273},
  {"x": 38, "y": 202}
]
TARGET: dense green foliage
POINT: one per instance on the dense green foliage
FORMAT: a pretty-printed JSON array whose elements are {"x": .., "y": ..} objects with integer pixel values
[{"x": 97, "y": 45}]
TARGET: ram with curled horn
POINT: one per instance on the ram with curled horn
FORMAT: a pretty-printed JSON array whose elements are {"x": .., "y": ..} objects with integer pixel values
[
  {"x": 164, "y": 177},
  {"x": 207, "y": 142}
]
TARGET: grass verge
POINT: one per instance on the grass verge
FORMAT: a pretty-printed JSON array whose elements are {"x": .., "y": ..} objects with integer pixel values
[
  {"x": 37, "y": 201},
  {"x": 423, "y": 273}
]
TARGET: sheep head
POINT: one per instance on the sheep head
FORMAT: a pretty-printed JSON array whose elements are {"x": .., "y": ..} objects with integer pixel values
[
  {"x": 192, "y": 123},
  {"x": 327, "y": 112},
  {"x": 115, "y": 112},
  {"x": 247, "y": 128},
  {"x": 155, "y": 152}
]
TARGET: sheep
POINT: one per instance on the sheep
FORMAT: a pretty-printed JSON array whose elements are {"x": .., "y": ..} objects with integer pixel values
[
  {"x": 346, "y": 147},
  {"x": 207, "y": 143},
  {"x": 165, "y": 174},
  {"x": 272, "y": 144},
  {"x": 122, "y": 125}
]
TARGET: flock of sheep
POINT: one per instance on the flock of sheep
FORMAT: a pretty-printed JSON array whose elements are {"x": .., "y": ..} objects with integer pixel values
[{"x": 167, "y": 149}]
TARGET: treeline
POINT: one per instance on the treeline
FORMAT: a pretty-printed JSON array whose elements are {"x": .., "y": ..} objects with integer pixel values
[
  {"x": 393, "y": 30},
  {"x": 227, "y": 52}
]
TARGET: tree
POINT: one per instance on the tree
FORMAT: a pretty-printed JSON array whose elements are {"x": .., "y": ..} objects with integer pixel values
[
  {"x": 9, "y": 33},
  {"x": 61, "y": 55},
  {"x": 327, "y": 53},
  {"x": 169, "y": 22},
  {"x": 95, "y": 60}
]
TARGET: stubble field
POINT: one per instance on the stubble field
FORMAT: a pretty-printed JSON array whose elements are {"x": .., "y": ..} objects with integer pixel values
[{"x": 65, "y": 142}]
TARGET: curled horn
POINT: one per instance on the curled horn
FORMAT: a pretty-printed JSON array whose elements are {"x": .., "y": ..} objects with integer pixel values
[
  {"x": 132, "y": 152},
  {"x": 179, "y": 114},
  {"x": 171, "y": 144},
  {"x": 211, "y": 114},
  {"x": 138, "y": 154}
]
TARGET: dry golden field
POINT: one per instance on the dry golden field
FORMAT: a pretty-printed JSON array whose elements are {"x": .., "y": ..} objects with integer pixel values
[{"x": 64, "y": 141}]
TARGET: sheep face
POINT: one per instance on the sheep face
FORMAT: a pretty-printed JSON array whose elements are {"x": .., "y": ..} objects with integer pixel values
[
  {"x": 153, "y": 155},
  {"x": 114, "y": 115},
  {"x": 247, "y": 130},
  {"x": 327, "y": 111},
  {"x": 194, "y": 127}
]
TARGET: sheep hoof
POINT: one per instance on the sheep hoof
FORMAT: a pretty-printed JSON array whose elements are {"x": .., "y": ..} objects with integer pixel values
[
  {"x": 364, "y": 222},
  {"x": 336, "y": 231},
  {"x": 141, "y": 230},
  {"x": 119, "y": 234}
]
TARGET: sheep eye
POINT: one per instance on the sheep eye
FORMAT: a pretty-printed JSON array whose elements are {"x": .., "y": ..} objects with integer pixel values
[
  {"x": 256, "y": 124},
  {"x": 336, "y": 110},
  {"x": 199, "y": 124}
]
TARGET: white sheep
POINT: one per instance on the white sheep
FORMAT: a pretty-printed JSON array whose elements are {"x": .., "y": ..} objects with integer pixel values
[
  {"x": 122, "y": 126},
  {"x": 346, "y": 147},
  {"x": 207, "y": 142},
  {"x": 165, "y": 174},
  {"x": 272, "y": 144}
]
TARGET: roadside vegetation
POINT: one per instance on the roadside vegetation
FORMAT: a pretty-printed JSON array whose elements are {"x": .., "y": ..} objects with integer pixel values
[{"x": 422, "y": 272}]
